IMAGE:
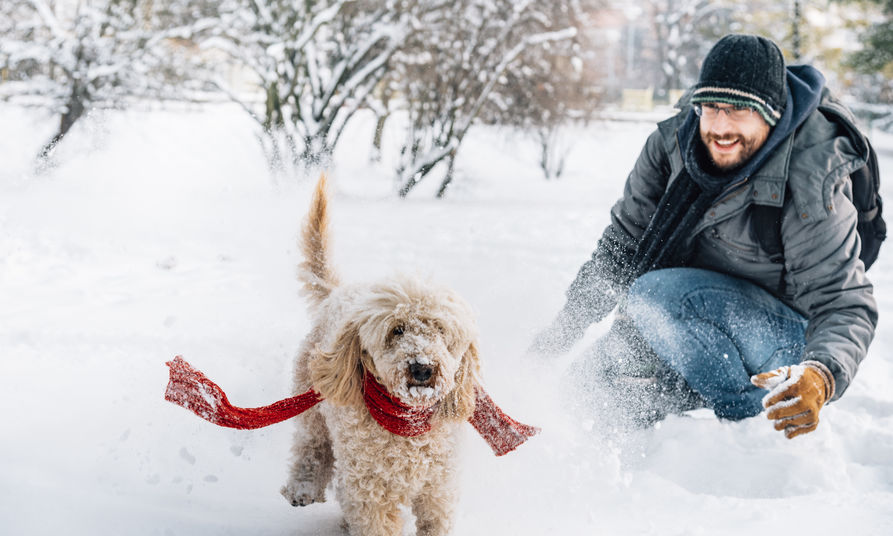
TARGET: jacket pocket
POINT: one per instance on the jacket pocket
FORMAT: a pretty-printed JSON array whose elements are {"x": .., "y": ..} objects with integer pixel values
[{"x": 735, "y": 246}]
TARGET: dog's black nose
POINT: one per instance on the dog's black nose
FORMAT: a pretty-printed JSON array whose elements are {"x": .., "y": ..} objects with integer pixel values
[{"x": 420, "y": 372}]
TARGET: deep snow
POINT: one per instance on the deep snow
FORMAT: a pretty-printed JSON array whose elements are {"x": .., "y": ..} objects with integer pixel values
[{"x": 160, "y": 233}]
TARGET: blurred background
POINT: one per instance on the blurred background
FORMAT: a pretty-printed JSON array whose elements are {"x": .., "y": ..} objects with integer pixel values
[{"x": 428, "y": 69}]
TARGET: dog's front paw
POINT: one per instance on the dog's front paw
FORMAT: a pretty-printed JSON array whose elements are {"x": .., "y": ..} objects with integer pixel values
[{"x": 302, "y": 493}]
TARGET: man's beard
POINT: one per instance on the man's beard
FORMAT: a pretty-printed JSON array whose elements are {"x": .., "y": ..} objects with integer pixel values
[{"x": 748, "y": 147}]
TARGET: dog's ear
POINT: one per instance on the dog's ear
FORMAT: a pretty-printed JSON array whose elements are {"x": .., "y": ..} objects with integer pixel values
[
  {"x": 336, "y": 372},
  {"x": 459, "y": 403}
]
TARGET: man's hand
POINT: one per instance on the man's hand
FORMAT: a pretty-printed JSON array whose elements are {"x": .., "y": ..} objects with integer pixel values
[
  {"x": 556, "y": 339},
  {"x": 796, "y": 395}
]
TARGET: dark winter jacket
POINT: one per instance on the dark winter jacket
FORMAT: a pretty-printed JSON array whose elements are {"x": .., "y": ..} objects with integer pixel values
[{"x": 824, "y": 279}]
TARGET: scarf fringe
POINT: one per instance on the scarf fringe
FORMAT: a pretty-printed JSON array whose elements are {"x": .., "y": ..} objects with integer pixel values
[
  {"x": 500, "y": 431},
  {"x": 680, "y": 203}
]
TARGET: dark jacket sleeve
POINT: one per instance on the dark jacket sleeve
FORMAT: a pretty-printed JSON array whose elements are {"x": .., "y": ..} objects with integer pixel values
[
  {"x": 602, "y": 280},
  {"x": 822, "y": 244},
  {"x": 832, "y": 289}
]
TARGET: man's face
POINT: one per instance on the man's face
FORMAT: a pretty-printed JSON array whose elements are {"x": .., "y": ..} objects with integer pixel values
[{"x": 731, "y": 134}]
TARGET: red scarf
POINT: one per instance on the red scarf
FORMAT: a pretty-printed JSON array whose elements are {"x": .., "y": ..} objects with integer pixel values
[
  {"x": 392, "y": 414},
  {"x": 192, "y": 390}
]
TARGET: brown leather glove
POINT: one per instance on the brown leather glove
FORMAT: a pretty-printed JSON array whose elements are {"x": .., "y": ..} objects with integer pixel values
[{"x": 796, "y": 395}]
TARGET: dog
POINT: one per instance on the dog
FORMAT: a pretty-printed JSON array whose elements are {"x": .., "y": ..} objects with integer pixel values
[{"x": 400, "y": 354}]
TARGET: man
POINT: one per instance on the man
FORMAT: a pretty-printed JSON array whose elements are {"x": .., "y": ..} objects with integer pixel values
[{"x": 705, "y": 316}]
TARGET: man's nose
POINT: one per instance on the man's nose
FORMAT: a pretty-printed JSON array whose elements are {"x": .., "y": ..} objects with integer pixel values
[{"x": 721, "y": 124}]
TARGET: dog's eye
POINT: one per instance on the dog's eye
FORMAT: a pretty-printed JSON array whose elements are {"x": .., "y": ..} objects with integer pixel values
[{"x": 397, "y": 331}]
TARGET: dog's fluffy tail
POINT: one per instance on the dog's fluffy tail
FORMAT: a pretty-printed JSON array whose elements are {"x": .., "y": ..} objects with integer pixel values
[{"x": 316, "y": 271}]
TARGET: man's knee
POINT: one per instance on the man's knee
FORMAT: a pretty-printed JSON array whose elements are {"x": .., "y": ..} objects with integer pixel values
[
  {"x": 676, "y": 292},
  {"x": 645, "y": 286},
  {"x": 655, "y": 298}
]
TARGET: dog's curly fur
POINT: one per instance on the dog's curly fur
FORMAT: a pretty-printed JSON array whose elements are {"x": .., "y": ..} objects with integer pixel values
[{"x": 394, "y": 329}]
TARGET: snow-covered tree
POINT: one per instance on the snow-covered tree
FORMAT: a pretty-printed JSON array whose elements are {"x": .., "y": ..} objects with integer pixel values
[
  {"x": 552, "y": 87},
  {"x": 826, "y": 35},
  {"x": 71, "y": 56},
  {"x": 454, "y": 66},
  {"x": 316, "y": 63},
  {"x": 874, "y": 61},
  {"x": 684, "y": 30},
  {"x": 877, "y": 54}
]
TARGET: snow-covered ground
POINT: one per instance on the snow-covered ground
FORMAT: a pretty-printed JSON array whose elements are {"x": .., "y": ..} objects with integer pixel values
[{"x": 160, "y": 233}]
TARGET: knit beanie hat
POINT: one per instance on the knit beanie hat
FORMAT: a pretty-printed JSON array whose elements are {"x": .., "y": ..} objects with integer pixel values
[{"x": 744, "y": 70}]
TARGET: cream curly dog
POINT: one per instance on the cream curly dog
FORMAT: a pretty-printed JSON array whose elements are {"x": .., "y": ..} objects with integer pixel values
[{"x": 418, "y": 342}]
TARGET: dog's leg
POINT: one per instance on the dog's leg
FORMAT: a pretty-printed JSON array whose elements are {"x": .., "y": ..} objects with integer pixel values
[
  {"x": 312, "y": 468},
  {"x": 373, "y": 519},
  {"x": 434, "y": 507},
  {"x": 368, "y": 506}
]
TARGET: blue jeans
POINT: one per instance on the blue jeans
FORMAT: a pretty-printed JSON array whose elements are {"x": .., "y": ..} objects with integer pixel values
[{"x": 716, "y": 331}]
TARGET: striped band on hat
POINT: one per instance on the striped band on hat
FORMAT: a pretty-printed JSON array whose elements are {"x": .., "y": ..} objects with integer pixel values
[{"x": 736, "y": 97}]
